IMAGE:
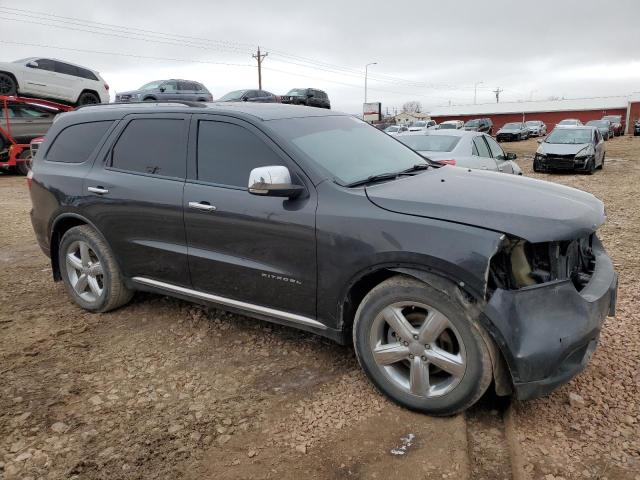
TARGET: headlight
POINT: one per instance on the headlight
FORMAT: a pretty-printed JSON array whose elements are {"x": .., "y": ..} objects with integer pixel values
[
  {"x": 540, "y": 150},
  {"x": 586, "y": 152}
]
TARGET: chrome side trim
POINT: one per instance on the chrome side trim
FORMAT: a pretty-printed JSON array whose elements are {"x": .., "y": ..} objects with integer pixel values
[{"x": 250, "y": 307}]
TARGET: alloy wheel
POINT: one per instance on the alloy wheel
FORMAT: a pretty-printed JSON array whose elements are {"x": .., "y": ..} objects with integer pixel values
[
  {"x": 6, "y": 85},
  {"x": 418, "y": 349},
  {"x": 84, "y": 271}
]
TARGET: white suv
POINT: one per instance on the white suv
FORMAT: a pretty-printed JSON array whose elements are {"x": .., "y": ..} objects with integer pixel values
[{"x": 49, "y": 78}]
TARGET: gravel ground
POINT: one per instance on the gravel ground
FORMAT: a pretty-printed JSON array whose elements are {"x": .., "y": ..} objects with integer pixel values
[
  {"x": 164, "y": 389},
  {"x": 590, "y": 428}
]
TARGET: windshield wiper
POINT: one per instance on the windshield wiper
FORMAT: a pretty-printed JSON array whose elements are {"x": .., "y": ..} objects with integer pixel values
[
  {"x": 418, "y": 166},
  {"x": 374, "y": 178}
]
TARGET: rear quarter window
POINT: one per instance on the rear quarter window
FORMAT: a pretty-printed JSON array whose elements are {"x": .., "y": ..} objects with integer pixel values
[{"x": 76, "y": 143}]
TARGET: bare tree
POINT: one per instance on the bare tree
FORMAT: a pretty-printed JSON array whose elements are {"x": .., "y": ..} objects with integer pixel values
[{"x": 412, "y": 107}]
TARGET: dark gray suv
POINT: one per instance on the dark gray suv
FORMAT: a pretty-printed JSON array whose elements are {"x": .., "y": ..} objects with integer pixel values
[
  {"x": 444, "y": 279},
  {"x": 167, "y": 90}
]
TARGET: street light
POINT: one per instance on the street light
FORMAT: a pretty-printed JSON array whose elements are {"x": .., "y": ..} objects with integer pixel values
[
  {"x": 475, "y": 91},
  {"x": 366, "y": 73}
]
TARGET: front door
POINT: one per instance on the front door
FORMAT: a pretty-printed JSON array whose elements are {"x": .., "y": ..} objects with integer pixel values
[
  {"x": 499, "y": 156},
  {"x": 255, "y": 249},
  {"x": 133, "y": 194},
  {"x": 480, "y": 151}
]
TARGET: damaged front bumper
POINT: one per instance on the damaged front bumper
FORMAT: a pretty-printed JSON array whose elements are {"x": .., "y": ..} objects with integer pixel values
[{"x": 549, "y": 331}]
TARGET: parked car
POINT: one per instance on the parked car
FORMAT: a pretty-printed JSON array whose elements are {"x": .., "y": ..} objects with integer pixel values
[
  {"x": 167, "y": 90},
  {"x": 53, "y": 79},
  {"x": 605, "y": 127},
  {"x": 422, "y": 125},
  {"x": 571, "y": 148},
  {"x": 569, "y": 122},
  {"x": 616, "y": 122},
  {"x": 462, "y": 148},
  {"x": 260, "y": 96},
  {"x": 636, "y": 128},
  {"x": 26, "y": 121},
  {"x": 436, "y": 274},
  {"x": 396, "y": 129},
  {"x": 451, "y": 125},
  {"x": 312, "y": 97},
  {"x": 512, "y": 132},
  {"x": 480, "y": 125},
  {"x": 537, "y": 128}
]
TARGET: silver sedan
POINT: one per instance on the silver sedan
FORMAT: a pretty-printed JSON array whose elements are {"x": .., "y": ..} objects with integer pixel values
[{"x": 463, "y": 149}]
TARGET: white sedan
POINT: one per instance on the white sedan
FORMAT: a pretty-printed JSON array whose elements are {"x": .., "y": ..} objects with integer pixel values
[{"x": 54, "y": 79}]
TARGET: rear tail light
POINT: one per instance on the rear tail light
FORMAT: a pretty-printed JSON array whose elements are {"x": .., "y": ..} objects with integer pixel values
[
  {"x": 447, "y": 162},
  {"x": 30, "y": 179}
]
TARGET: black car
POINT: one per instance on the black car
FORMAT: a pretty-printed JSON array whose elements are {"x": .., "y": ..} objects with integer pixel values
[
  {"x": 311, "y": 97},
  {"x": 484, "y": 125},
  {"x": 259, "y": 96},
  {"x": 445, "y": 279},
  {"x": 512, "y": 132}
]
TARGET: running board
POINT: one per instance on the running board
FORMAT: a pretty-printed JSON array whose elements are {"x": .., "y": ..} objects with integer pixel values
[{"x": 229, "y": 302}]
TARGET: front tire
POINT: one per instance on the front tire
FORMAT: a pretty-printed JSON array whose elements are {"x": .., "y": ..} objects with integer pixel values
[
  {"x": 89, "y": 271},
  {"x": 23, "y": 167},
  {"x": 8, "y": 85},
  {"x": 417, "y": 346}
]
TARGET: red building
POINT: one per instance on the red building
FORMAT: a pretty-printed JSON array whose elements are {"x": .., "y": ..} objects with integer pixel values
[{"x": 550, "y": 112}]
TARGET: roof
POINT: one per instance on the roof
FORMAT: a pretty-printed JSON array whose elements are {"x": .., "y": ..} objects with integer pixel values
[
  {"x": 262, "y": 111},
  {"x": 573, "y": 104}
]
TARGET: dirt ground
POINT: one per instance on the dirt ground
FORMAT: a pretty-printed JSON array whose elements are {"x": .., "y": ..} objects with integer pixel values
[{"x": 165, "y": 389}]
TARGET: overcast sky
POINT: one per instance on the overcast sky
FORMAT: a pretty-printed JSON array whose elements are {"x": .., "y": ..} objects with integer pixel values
[{"x": 433, "y": 52}]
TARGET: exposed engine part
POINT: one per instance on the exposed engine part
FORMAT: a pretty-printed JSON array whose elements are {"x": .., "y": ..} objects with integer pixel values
[{"x": 520, "y": 266}]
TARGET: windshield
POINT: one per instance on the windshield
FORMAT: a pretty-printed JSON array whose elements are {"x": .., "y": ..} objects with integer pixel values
[
  {"x": 23, "y": 60},
  {"x": 598, "y": 123},
  {"x": 534, "y": 123},
  {"x": 512, "y": 126},
  {"x": 231, "y": 96},
  {"x": 430, "y": 143},
  {"x": 346, "y": 148},
  {"x": 472, "y": 123},
  {"x": 152, "y": 85},
  {"x": 569, "y": 135},
  {"x": 568, "y": 122},
  {"x": 447, "y": 126},
  {"x": 419, "y": 124},
  {"x": 612, "y": 118},
  {"x": 297, "y": 92},
  {"x": 392, "y": 129}
]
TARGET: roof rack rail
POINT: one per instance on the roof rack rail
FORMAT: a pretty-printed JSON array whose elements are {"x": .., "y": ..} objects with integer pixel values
[{"x": 166, "y": 102}]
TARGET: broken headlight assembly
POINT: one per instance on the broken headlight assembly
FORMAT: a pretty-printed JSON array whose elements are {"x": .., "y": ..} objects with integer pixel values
[{"x": 519, "y": 264}]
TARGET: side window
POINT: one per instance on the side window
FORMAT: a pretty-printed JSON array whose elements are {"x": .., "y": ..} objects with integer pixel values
[
  {"x": 45, "y": 64},
  {"x": 227, "y": 153},
  {"x": 170, "y": 87},
  {"x": 474, "y": 150},
  {"x": 66, "y": 69},
  {"x": 185, "y": 86},
  {"x": 153, "y": 146},
  {"x": 68, "y": 148},
  {"x": 88, "y": 74},
  {"x": 199, "y": 87},
  {"x": 495, "y": 149},
  {"x": 481, "y": 147}
]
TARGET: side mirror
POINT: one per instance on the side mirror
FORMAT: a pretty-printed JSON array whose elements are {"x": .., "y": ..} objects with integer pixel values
[
  {"x": 511, "y": 156},
  {"x": 273, "y": 181},
  {"x": 162, "y": 89},
  {"x": 32, "y": 64},
  {"x": 309, "y": 95}
]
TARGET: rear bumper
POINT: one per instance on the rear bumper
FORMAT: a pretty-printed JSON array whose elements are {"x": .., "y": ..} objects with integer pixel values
[{"x": 550, "y": 330}]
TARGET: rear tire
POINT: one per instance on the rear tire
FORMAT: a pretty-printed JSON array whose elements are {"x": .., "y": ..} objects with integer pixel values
[
  {"x": 447, "y": 366},
  {"x": 90, "y": 272},
  {"x": 8, "y": 85},
  {"x": 22, "y": 168},
  {"x": 87, "y": 98}
]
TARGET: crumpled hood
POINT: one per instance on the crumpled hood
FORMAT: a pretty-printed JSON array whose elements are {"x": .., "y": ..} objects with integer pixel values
[
  {"x": 563, "y": 148},
  {"x": 534, "y": 210}
]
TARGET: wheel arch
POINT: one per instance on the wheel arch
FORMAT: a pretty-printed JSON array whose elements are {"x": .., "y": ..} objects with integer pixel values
[
  {"x": 149, "y": 97},
  {"x": 444, "y": 282},
  {"x": 15, "y": 79},
  {"x": 88, "y": 90}
]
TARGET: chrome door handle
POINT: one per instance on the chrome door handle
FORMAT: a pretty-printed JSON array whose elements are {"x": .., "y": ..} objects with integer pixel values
[
  {"x": 205, "y": 207},
  {"x": 98, "y": 190},
  {"x": 500, "y": 169}
]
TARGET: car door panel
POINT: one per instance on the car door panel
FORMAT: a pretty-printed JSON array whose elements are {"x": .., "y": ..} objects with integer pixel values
[
  {"x": 503, "y": 165},
  {"x": 481, "y": 155},
  {"x": 141, "y": 214},
  {"x": 255, "y": 249}
]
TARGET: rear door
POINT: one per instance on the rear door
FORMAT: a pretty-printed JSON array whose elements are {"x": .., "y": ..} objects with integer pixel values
[
  {"x": 187, "y": 90},
  {"x": 255, "y": 249},
  {"x": 135, "y": 196},
  {"x": 482, "y": 155},
  {"x": 68, "y": 80}
]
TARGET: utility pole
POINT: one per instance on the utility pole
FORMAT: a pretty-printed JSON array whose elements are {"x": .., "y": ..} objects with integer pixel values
[
  {"x": 475, "y": 91},
  {"x": 260, "y": 57},
  {"x": 497, "y": 91}
]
